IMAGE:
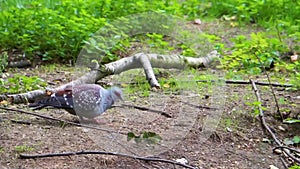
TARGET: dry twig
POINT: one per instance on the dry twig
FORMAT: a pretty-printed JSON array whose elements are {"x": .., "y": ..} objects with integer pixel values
[
  {"x": 269, "y": 81},
  {"x": 248, "y": 82},
  {"x": 146, "y": 109},
  {"x": 59, "y": 120},
  {"x": 265, "y": 125},
  {"x": 26, "y": 156}
]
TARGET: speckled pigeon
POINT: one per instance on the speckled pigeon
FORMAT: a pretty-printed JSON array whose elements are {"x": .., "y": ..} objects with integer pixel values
[{"x": 86, "y": 100}]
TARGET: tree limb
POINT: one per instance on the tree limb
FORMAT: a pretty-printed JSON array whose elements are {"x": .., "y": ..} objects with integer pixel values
[
  {"x": 139, "y": 60},
  {"x": 265, "y": 125},
  {"x": 26, "y": 156},
  {"x": 248, "y": 82}
]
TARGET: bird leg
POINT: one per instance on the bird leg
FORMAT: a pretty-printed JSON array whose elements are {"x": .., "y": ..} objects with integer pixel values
[
  {"x": 100, "y": 121},
  {"x": 93, "y": 120}
]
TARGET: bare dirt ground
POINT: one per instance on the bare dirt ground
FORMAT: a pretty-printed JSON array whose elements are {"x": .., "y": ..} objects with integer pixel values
[{"x": 237, "y": 142}]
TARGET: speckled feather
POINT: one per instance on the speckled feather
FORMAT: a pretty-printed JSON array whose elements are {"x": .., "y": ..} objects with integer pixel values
[{"x": 87, "y": 100}]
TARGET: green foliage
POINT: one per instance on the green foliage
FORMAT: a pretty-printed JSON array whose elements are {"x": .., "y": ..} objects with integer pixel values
[
  {"x": 169, "y": 83},
  {"x": 294, "y": 167},
  {"x": 255, "y": 106},
  {"x": 55, "y": 30},
  {"x": 21, "y": 83},
  {"x": 3, "y": 61},
  {"x": 256, "y": 11},
  {"x": 148, "y": 137},
  {"x": 23, "y": 148},
  {"x": 1, "y": 149},
  {"x": 292, "y": 141},
  {"x": 246, "y": 53},
  {"x": 290, "y": 121}
]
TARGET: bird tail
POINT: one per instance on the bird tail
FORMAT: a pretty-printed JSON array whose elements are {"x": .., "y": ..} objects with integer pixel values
[
  {"x": 53, "y": 101},
  {"x": 36, "y": 106}
]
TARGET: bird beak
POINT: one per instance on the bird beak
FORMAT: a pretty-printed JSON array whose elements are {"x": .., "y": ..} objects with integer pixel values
[{"x": 121, "y": 98}]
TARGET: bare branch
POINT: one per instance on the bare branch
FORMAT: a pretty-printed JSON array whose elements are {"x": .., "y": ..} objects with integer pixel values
[
  {"x": 265, "y": 125},
  {"x": 248, "y": 82},
  {"x": 139, "y": 60},
  {"x": 269, "y": 80},
  {"x": 59, "y": 120},
  {"x": 26, "y": 156}
]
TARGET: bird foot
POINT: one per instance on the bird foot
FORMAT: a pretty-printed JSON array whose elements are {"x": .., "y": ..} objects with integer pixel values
[
  {"x": 100, "y": 121},
  {"x": 93, "y": 121}
]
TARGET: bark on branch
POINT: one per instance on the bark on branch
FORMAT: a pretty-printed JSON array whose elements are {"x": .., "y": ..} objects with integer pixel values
[{"x": 139, "y": 60}]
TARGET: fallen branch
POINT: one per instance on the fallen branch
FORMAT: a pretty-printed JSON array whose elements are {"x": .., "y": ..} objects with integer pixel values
[
  {"x": 146, "y": 109},
  {"x": 59, "y": 120},
  {"x": 265, "y": 125},
  {"x": 139, "y": 60},
  {"x": 269, "y": 81},
  {"x": 248, "y": 82},
  {"x": 26, "y": 156},
  {"x": 20, "y": 122},
  {"x": 282, "y": 147},
  {"x": 199, "y": 106}
]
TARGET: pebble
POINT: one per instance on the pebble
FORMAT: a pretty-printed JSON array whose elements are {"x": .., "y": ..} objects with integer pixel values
[
  {"x": 281, "y": 128},
  {"x": 182, "y": 160}
]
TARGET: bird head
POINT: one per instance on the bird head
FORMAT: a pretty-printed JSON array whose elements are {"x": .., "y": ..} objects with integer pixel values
[{"x": 117, "y": 93}]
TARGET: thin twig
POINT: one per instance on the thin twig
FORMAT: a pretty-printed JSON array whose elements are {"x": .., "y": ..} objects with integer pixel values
[
  {"x": 199, "y": 106},
  {"x": 26, "y": 156},
  {"x": 59, "y": 120},
  {"x": 265, "y": 125},
  {"x": 272, "y": 90},
  {"x": 261, "y": 113},
  {"x": 20, "y": 122},
  {"x": 284, "y": 163},
  {"x": 204, "y": 81},
  {"x": 278, "y": 33},
  {"x": 146, "y": 109},
  {"x": 247, "y": 82},
  {"x": 282, "y": 147}
]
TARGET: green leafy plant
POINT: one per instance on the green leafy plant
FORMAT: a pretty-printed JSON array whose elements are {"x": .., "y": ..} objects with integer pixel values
[
  {"x": 255, "y": 106},
  {"x": 56, "y": 30},
  {"x": 148, "y": 137},
  {"x": 294, "y": 167},
  {"x": 1, "y": 149},
  {"x": 23, "y": 148},
  {"x": 3, "y": 61},
  {"x": 291, "y": 120},
  {"x": 245, "y": 53},
  {"x": 291, "y": 141},
  {"x": 21, "y": 83}
]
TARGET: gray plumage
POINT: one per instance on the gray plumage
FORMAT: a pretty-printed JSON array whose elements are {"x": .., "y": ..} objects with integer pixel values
[{"x": 86, "y": 100}]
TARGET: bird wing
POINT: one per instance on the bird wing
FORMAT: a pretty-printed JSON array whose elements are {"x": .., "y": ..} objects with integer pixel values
[{"x": 61, "y": 99}]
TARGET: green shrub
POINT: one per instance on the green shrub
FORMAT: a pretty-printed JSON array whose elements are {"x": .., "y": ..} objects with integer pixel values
[{"x": 55, "y": 30}]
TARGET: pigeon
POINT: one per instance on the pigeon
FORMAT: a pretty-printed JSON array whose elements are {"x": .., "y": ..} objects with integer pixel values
[{"x": 85, "y": 100}]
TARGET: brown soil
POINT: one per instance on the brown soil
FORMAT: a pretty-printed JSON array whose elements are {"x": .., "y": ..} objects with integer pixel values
[{"x": 237, "y": 142}]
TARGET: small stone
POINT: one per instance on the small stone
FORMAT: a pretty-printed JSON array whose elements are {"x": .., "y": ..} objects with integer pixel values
[
  {"x": 277, "y": 151},
  {"x": 85, "y": 130},
  {"x": 228, "y": 129},
  {"x": 197, "y": 22},
  {"x": 281, "y": 128},
  {"x": 182, "y": 160},
  {"x": 273, "y": 167}
]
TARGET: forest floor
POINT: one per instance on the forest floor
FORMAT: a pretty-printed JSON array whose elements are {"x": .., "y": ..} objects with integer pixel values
[{"x": 238, "y": 141}]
